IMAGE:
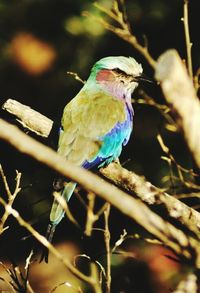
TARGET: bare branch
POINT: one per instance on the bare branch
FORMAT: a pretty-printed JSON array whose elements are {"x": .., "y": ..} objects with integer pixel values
[
  {"x": 108, "y": 252},
  {"x": 76, "y": 76},
  {"x": 122, "y": 30},
  {"x": 29, "y": 118},
  {"x": 197, "y": 80},
  {"x": 11, "y": 197},
  {"x": 65, "y": 207},
  {"x": 91, "y": 217},
  {"x": 187, "y": 38},
  {"x": 153, "y": 195},
  {"x": 47, "y": 244},
  {"x": 167, "y": 233},
  {"x": 146, "y": 191},
  {"x": 180, "y": 93}
]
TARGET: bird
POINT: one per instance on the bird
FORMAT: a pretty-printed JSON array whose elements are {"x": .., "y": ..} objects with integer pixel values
[{"x": 96, "y": 123}]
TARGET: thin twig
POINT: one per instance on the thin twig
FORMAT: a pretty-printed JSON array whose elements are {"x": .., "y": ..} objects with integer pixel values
[
  {"x": 76, "y": 76},
  {"x": 5, "y": 280},
  {"x": 91, "y": 217},
  {"x": 9, "y": 194},
  {"x": 27, "y": 270},
  {"x": 68, "y": 285},
  {"x": 187, "y": 37},
  {"x": 95, "y": 277},
  {"x": 108, "y": 251},
  {"x": 197, "y": 80},
  {"x": 65, "y": 207},
  {"x": 122, "y": 30},
  {"x": 88, "y": 279},
  {"x": 172, "y": 161},
  {"x": 11, "y": 197}
]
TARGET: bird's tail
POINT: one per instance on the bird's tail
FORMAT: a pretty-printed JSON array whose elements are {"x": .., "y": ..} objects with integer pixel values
[
  {"x": 49, "y": 236},
  {"x": 56, "y": 215},
  {"x": 57, "y": 212}
]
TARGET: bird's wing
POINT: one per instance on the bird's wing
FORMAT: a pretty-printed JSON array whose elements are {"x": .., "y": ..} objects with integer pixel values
[{"x": 86, "y": 120}]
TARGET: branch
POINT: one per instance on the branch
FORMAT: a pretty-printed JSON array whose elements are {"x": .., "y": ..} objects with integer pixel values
[
  {"x": 52, "y": 249},
  {"x": 108, "y": 252},
  {"x": 10, "y": 197},
  {"x": 180, "y": 93},
  {"x": 153, "y": 195},
  {"x": 187, "y": 38},
  {"x": 184, "y": 246},
  {"x": 122, "y": 30},
  {"x": 91, "y": 216},
  {"x": 133, "y": 183},
  {"x": 29, "y": 118}
]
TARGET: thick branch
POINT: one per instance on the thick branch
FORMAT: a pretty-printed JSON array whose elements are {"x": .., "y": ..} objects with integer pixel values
[
  {"x": 153, "y": 195},
  {"x": 167, "y": 233},
  {"x": 180, "y": 93},
  {"x": 124, "y": 178}
]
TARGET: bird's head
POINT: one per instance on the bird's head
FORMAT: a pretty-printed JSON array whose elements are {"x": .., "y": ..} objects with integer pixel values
[{"x": 118, "y": 75}]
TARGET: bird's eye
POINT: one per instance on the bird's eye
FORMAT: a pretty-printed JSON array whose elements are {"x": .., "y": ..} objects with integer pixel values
[{"x": 119, "y": 71}]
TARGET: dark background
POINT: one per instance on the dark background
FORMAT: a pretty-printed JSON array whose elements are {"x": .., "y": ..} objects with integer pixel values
[{"x": 72, "y": 42}]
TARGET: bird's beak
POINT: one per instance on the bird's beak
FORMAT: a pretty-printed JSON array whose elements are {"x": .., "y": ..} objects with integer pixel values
[{"x": 143, "y": 78}]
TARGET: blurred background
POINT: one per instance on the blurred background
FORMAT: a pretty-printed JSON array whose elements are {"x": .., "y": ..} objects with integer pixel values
[{"x": 40, "y": 41}]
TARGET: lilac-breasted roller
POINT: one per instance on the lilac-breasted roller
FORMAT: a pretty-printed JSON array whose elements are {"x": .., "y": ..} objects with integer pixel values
[{"x": 97, "y": 122}]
